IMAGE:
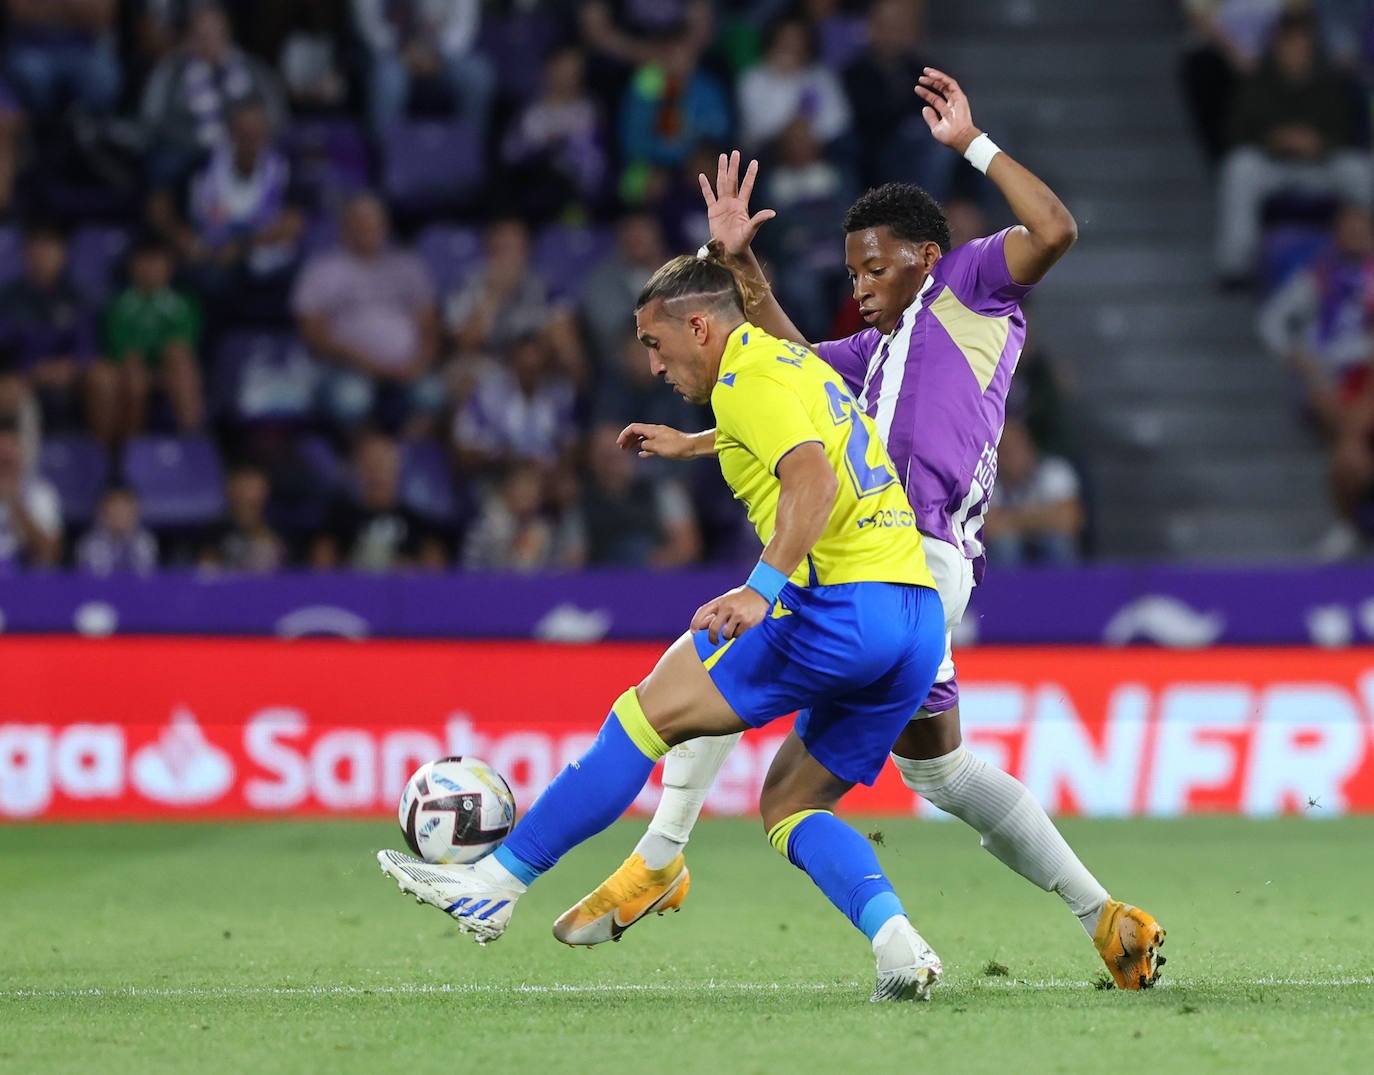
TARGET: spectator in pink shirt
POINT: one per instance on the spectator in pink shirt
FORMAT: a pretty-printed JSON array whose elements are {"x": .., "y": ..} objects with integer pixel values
[{"x": 367, "y": 312}]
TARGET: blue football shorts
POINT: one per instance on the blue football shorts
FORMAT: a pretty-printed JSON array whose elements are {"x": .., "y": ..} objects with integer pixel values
[{"x": 854, "y": 661}]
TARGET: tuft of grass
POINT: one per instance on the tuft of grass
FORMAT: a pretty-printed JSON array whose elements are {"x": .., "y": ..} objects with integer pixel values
[{"x": 993, "y": 969}]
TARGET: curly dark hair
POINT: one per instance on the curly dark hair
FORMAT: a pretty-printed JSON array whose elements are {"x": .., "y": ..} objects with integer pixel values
[{"x": 904, "y": 208}]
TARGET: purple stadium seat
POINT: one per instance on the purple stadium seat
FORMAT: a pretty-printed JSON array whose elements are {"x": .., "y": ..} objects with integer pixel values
[
  {"x": 427, "y": 482},
  {"x": 77, "y": 465},
  {"x": 329, "y": 156},
  {"x": 94, "y": 257},
  {"x": 565, "y": 256},
  {"x": 449, "y": 252},
  {"x": 178, "y": 479},
  {"x": 321, "y": 235},
  {"x": 262, "y": 377},
  {"x": 518, "y": 46},
  {"x": 430, "y": 164},
  {"x": 305, "y": 480},
  {"x": 842, "y": 38},
  {"x": 323, "y": 462},
  {"x": 11, "y": 254}
]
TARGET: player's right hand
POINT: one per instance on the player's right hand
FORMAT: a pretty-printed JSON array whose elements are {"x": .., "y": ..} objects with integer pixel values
[
  {"x": 731, "y": 614},
  {"x": 727, "y": 207},
  {"x": 662, "y": 441}
]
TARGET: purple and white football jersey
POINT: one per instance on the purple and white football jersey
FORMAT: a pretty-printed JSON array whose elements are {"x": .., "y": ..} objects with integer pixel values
[{"x": 937, "y": 387}]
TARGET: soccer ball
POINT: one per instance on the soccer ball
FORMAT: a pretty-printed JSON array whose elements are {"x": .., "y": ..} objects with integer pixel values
[{"x": 456, "y": 810}]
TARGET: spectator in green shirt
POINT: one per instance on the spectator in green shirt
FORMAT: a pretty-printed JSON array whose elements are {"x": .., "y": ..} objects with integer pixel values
[{"x": 151, "y": 335}]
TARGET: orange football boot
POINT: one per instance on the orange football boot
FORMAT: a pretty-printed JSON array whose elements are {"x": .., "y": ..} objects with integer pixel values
[
  {"x": 621, "y": 900},
  {"x": 1128, "y": 940}
]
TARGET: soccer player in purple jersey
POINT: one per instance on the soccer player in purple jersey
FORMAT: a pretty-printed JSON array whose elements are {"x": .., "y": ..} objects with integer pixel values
[{"x": 932, "y": 370}]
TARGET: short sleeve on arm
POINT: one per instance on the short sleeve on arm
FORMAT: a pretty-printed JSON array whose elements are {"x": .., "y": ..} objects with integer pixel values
[
  {"x": 977, "y": 273},
  {"x": 764, "y": 415},
  {"x": 849, "y": 357}
]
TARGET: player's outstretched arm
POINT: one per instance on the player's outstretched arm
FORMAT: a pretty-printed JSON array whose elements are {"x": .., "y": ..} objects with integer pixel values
[
  {"x": 727, "y": 209},
  {"x": 1047, "y": 227},
  {"x": 666, "y": 442},
  {"x": 807, "y": 488}
]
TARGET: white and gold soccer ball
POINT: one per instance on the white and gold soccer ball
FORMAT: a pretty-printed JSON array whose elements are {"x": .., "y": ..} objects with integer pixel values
[{"x": 455, "y": 810}]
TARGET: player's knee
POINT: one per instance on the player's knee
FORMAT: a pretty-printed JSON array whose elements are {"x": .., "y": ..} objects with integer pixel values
[
  {"x": 930, "y": 735},
  {"x": 778, "y": 803},
  {"x": 927, "y": 775},
  {"x": 780, "y": 832}
]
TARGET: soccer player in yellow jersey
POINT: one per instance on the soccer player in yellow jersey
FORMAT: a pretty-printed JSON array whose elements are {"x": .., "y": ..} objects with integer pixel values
[{"x": 839, "y": 621}]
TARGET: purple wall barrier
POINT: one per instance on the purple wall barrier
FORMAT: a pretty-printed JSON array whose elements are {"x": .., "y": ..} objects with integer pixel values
[{"x": 1171, "y": 606}]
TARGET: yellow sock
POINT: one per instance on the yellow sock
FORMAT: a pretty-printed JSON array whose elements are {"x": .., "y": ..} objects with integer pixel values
[{"x": 630, "y": 713}]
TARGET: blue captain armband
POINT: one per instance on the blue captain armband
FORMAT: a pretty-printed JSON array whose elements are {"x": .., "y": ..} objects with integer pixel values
[{"x": 767, "y": 581}]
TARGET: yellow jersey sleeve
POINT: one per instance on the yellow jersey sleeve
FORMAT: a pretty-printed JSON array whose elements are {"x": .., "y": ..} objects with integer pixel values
[{"x": 765, "y": 416}]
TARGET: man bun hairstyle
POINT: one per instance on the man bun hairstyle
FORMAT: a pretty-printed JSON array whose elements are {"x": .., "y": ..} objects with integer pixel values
[
  {"x": 906, "y": 210},
  {"x": 711, "y": 271},
  {"x": 713, "y": 285}
]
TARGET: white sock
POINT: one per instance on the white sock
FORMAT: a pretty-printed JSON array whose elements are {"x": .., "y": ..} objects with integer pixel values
[
  {"x": 689, "y": 770},
  {"x": 658, "y": 850},
  {"x": 885, "y": 933},
  {"x": 1014, "y": 827},
  {"x": 1089, "y": 919},
  {"x": 491, "y": 870},
  {"x": 899, "y": 944}
]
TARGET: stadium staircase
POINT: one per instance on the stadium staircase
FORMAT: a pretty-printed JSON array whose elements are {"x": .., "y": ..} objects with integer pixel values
[{"x": 1188, "y": 438}]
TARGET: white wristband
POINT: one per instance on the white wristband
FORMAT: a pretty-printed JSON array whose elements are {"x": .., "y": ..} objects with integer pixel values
[{"x": 981, "y": 151}]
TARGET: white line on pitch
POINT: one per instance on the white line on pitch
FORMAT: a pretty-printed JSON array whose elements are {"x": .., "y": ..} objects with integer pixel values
[{"x": 557, "y": 989}]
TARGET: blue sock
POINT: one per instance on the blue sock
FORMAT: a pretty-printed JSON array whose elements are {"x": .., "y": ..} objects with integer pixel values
[
  {"x": 842, "y": 864},
  {"x": 587, "y": 796}
]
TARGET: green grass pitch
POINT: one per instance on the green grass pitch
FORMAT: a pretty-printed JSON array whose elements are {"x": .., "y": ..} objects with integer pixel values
[{"x": 281, "y": 947}]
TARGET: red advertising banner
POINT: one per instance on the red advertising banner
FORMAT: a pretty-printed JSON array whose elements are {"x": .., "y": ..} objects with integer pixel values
[{"x": 165, "y": 728}]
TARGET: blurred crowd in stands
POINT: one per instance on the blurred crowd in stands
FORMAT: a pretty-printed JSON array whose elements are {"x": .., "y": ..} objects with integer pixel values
[
  {"x": 1281, "y": 93},
  {"x": 328, "y": 284}
]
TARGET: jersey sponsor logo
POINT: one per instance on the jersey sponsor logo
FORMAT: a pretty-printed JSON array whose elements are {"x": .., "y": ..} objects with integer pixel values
[
  {"x": 986, "y": 470},
  {"x": 728, "y": 380},
  {"x": 889, "y": 519}
]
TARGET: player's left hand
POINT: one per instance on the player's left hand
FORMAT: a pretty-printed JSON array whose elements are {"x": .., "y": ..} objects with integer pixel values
[
  {"x": 947, "y": 111},
  {"x": 731, "y": 614},
  {"x": 727, "y": 207}
]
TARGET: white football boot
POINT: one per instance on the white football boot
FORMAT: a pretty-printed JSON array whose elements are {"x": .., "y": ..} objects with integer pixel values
[
  {"x": 907, "y": 966},
  {"x": 465, "y": 893}
]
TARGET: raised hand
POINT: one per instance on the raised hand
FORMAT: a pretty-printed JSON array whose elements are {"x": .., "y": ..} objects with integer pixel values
[
  {"x": 727, "y": 207},
  {"x": 947, "y": 112}
]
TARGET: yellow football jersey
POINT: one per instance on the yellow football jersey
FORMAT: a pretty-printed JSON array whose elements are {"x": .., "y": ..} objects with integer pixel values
[{"x": 771, "y": 396}]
